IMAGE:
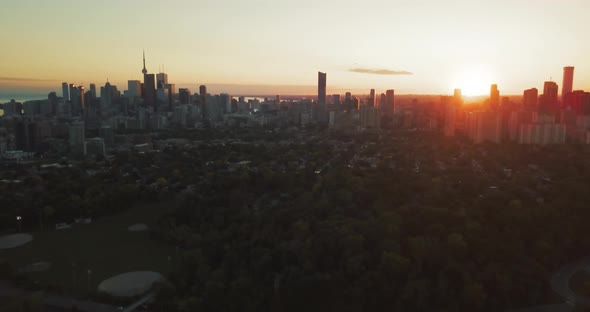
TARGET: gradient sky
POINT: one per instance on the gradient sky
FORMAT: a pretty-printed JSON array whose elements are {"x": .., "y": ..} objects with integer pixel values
[{"x": 468, "y": 44}]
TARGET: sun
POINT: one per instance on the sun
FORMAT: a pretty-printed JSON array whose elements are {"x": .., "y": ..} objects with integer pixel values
[{"x": 473, "y": 81}]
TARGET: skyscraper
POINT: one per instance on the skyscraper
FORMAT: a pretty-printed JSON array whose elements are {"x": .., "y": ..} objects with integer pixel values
[
  {"x": 577, "y": 101},
  {"x": 163, "y": 99},
  {"x": 93, "y": 89},
  {"x": 203, "y": 101},
  {"x": 387, "y": 107},
  {"x": 336, "y": 101},
  {"x": 65, "y": 92},
  {"x": 162, "y": 80},
  {"x": 76, "y": 100},
  {"x": 77, "y": 139},
  {"x": 494, "y": 97},
  {"x": 370, "y": 117},
  {"x": 550, "y": 88},
  {"x": 106, "y": 97},
  {"x": 450, "y": 106},
  {"x": 372, "y": 98},
  {"x": 184, "y": 96},
  {"x": 133, "y": 88},
  {"x": 225, "y": 103},
  {"x": 51, "y": 108},
  {"x": 382, "y": 100},
  {"x": 149, "y": 86},
  {"x": 548, "y": 101},
  {"x": 347, "y": 101},
  {"x": 149, "y": 92},
  {"x": 568, "y": 81},
  {"x": 170, "y": 86},
  {"x": 72, "y": 91},
  {"x": 321, "y": 107},
  {"x": 529, "y": 99},
  {"x": 484, "y": 126},
  {"x": 81, "y": 92}
]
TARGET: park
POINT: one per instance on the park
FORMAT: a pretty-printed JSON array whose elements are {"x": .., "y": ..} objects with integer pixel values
[{"x": 75, "y": 261}]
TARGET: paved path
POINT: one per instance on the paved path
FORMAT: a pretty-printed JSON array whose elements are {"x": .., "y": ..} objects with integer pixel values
[
  {"x": 145, "y": 299},
  {"x": 561, "y": 279},
  {"x": 58, "y": 303},
  {"x": 66, "y": 303}
]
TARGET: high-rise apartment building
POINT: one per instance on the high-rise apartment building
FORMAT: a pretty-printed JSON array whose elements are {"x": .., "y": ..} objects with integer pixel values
[
  {"x": 149, "y": 90},
  {"x": 494, "y": 97},
  {"x": 388, "y": 106},
  {"x": 348, "y": 101},
  {"x": 65, "y": 92},
  {"x": 549, "y": 100},
  {"x": 93, "y": 89},
  {"x": 77, "y": 139},
  {"x": 370, "y": 117},
  {"x": 133, "y": 88},
  {"x": 203, "y": 100},
  {"x": 225, "y": 103},
  {"x": 529, "y": 99},
  {"x": 162, "y": 80},
  {"x": 184, "y": 96},
  {"x": 484, "y": 126},
  {"x": 568, "y": 81},
  {"x": 372, "y": 98},
  {"x": 321, "y": 106}
]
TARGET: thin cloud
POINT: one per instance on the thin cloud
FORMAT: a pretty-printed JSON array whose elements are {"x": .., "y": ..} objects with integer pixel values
[{"x": 386, "y": 72}]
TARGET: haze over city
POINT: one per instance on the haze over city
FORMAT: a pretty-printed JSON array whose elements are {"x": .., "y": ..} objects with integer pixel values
[
  {"x": 289, "y": 156},
  {"x": 420, "y": 47}
]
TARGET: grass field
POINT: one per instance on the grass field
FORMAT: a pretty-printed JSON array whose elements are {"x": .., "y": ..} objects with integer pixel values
[{"x": 105, "y": 247}]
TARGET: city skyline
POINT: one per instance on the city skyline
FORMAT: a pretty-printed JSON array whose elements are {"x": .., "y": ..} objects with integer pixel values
[
  {"x": 161, "y": 78},
  {"x": 397, "y": 46},
  {"x": 289, "y": 155}
]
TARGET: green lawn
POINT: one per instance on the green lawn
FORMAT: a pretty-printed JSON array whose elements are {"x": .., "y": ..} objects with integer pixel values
[{"x": 105, "y": 247}]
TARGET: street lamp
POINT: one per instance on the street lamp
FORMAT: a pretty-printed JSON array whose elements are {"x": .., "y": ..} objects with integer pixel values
[
  {"x": 89, "y": 274},
  {"x": 73, "y": 275},
  {"x": 18, "y": 222}
]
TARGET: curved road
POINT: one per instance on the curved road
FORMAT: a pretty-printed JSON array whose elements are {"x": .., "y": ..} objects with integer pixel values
[{"x": 561, "y": 279}]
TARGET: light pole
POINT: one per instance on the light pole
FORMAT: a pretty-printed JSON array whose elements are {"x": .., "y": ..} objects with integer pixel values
[
  {"x": 18, "y": 222},
  {"x": 73, "y": 275},
  {"x": 89, "y": 275}
]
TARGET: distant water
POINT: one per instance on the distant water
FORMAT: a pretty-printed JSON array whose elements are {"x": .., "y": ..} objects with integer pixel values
[
  {"x": 22, "y": 94},
  {"x": 22, "y": 97}
]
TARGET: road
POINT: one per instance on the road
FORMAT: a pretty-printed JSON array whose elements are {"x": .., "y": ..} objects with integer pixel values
[
  {"x": 63, "y": 303},
  {"x": 145, "y": 299},
  {"x": 561, "y": 279},
  {"x": 323, "y": 168}
]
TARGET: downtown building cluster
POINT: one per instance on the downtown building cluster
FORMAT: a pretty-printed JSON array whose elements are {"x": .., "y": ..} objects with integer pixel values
[
  {"x": 85, "y": 121},
  {"x": 545, "y": 118},
  {"x": 352, "y": 111}
]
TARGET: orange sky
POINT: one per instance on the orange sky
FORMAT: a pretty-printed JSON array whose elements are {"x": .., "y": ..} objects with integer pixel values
[{"x": 424, "y": 47}]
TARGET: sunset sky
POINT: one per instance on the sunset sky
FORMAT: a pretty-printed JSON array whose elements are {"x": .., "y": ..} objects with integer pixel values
[{"x": 467, "y": 44}]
